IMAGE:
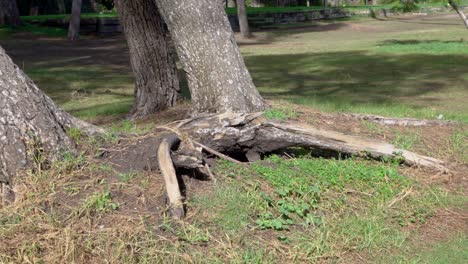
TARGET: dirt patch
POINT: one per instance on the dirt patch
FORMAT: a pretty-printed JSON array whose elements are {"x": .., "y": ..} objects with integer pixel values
[{"x": 443, "y": 225}]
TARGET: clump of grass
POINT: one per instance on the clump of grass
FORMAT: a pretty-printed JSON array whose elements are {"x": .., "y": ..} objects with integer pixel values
[
  {"x": 458, "y": 145},
  {"x": 98, "y": 202},
  {"x": 406, "y": 141},
  {"x": 283, "y": 113},
  {"x": 75, "y": 134},
  {"x": 126, "y": 177}
]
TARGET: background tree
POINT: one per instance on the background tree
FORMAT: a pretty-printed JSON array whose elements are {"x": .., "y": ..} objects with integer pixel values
[
  {"x": 153, "y": 64},
  {"x": 9, "y": 14},
  {"x": 243, "y": 20},
  {"x": 460, "y": 12},
  {"x": 75, "y": 20},
  {"x": 218, "y": 78}
]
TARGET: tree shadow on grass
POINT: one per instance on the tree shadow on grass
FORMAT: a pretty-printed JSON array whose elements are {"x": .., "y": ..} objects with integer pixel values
[{"x": 360, "y": 77}]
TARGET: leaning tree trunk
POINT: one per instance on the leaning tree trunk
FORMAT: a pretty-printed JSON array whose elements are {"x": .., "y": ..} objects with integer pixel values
[
  {"x": 157, "y": 83},
  {"x": 460, "y": 12},
  {"x": 9, "y": 14},
  {"x": 32, "y": 127},
  {"x": 75, "y": 20},
  {"x": 218, "y": 78},
  {"x": 243, "y": 21}
]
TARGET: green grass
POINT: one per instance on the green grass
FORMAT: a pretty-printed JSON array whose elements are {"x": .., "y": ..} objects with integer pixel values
[
  {"x": 318, "y": 208},
  {"x": 6, "y": 32}
]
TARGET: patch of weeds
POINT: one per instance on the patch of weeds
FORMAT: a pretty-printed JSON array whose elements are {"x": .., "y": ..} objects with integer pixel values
[
  {"x": 75, "y": 134},
  {"x": 283, "y": 113},
  {"x": 192, "y": 234},
  {"x": 98, "y": 202},
  {"x": 373, "y": 127},
  {"x": 458, "y": 145},
  {"x": 406, "y": 141},
  {"x": 126, "y": 177},
  {"x": 70, "y": 161},
  {"x": 128, "y": 126}
]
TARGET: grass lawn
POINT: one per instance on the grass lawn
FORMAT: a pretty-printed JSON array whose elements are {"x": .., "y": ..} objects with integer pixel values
[{"x": 295, "y": 208}]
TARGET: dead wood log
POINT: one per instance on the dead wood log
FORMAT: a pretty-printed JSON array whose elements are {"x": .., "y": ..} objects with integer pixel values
[
  {"x": 391, "y": 121},
  {"x": 243, "y": 133},
  {"x": 175, "y": 199}
]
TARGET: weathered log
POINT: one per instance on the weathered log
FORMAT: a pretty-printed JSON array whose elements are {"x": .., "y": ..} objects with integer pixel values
[
  {"x": 166, "y": 166},
  {"x": 243, "y": 133},
  {"x": 392, "y": 121}
]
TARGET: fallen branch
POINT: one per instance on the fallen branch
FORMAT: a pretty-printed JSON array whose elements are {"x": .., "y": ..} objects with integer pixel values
[
  {"x": 227, "y": 133},
  {"x": 391, "y": 121},
  {"x": 176, "y": 206}
]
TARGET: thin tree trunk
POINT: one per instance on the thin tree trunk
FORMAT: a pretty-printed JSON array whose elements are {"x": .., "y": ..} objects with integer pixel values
[
  {"x": 243, "y": 20},
  {"x": 32, "y": 127},
  {"x": 231, "y": 3},
  {"x": 460, "y": 13},
  {"x": 154, "y": 67},
  {"x": 9, "y": 13},
  {"x": 61, "y": 6},
  {"x": 75, "y": 20},
  {"x": 218, "y": 78},
  {"x": 257, "y": 3}
]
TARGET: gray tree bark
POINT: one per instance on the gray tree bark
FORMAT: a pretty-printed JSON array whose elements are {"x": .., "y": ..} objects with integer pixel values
[
  {"x": 243, "y": 20},
  {"x": 218, "y": 78},
  {"x": 9, "y": 14},
  {"x": 231, "y": 3},
  {"x": 154, "y": 67},
  {"x": 75, "y": 20},
  {"x": 460, "y": 13},
  {"x": 257, "y": 3},
  {"x": 32, "y": 127},
  {"x": 61, "y": 6}
]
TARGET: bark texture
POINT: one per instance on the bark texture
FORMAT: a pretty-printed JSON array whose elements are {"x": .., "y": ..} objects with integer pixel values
[
  {"x": 32, "y": 127},
  {"x": 75, "y": 20},
  {"x": 217, "y": 76},
  {"x": 9, "y": 14},
  {"x": 243, "y": 20},
  {"x": 252, "y": 134},
  {"x": 157, "y": 84},
  {"x": 460, "y": 12}
]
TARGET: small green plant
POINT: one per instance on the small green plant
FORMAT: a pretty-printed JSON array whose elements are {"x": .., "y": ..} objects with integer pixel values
[
  {"x": 75, "y": 134},
  {"x": 406, "y": 141},
  {"x": 98, "y": 202},
  {"x": 192, "y": 234},
  {"x": 126, "y": 177},
  {"x": 280, "y": 114}
]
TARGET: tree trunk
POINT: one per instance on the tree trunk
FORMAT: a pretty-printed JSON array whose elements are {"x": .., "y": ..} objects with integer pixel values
[
  {"x": 154, "y": 67},
  {"x": 61, "y": 6},
  {"x": 9, "y": 14},
  {"x": 231, "y": 3},
  {"x": 75, "y": 20},
  {"x": 257, "y": 3},
  {"x": 460, "y": 13},
  {"x": 32, "y": 127},
  {"x": 243, "y": 21},
  {"x": 218, "y": 78}
]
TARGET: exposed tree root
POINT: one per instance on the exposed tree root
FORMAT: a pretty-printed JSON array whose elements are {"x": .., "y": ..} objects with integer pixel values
[
  {"x": 175, "y": 200},
  {"x": 391, "y": 121},
  {"x": 251, "y": 133},
  {"x": 230, "y": 136}
]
